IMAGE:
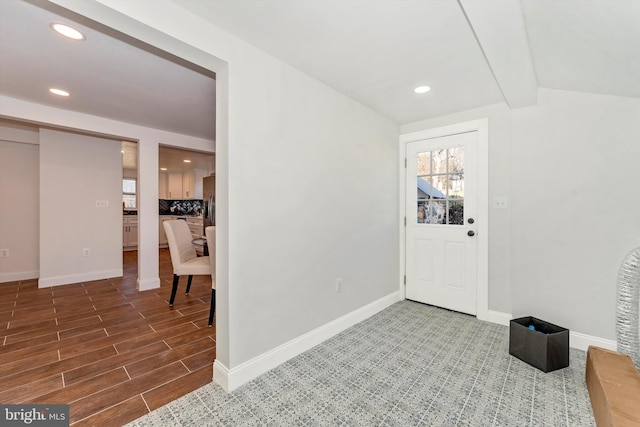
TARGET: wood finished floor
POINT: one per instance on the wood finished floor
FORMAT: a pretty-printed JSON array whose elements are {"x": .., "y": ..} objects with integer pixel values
[{"x": 112, "y": 353}]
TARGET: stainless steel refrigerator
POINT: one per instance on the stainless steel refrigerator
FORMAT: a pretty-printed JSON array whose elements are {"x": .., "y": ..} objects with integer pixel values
[{"x": 209, "y": 201}]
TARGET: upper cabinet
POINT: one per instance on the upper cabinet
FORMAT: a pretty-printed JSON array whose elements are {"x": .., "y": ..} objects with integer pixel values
[
  {"x": 188, "y": 185},
  {"x": 175, "y": 185},
  {"x": 192, "y": 184},
  {"x": 182, "y": 172},
  {"x": 163, "y": 191}
]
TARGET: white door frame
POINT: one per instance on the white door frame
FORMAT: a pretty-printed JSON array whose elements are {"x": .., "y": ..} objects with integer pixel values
[{"x": 482, "y": 217}]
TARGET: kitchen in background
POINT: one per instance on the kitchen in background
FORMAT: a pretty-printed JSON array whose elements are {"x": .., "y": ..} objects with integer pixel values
[{"x": 183, "y": 190}]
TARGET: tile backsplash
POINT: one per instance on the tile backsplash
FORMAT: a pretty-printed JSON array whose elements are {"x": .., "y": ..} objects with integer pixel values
[{"x": 180, "y": 207}]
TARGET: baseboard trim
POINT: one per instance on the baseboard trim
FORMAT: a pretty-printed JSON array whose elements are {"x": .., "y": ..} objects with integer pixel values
[
  {"x": 78, "y": 278},
  {"x": 19, "y": 275},
  {"x": 577, "y": 340},
  {"x": 231, "y": 378},
  {"x": 147, "y": 284},
  {"x": 582, "y": 341},
  {"x": 499, "y": 317}
]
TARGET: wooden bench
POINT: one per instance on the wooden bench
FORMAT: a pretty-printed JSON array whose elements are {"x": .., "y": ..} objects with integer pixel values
[{"x": 614, "y": 388}]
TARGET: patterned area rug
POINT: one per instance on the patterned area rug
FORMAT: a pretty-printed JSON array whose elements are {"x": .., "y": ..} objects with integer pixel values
[{"x": 410, "y": 365}]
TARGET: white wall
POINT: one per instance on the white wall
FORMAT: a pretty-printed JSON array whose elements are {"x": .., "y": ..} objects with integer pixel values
[
  {"x": 499, "y": 186},
  {"x": 19, "y": 201},
  {"x": 75, "y": 172},
  {"x": 282, "y": 136},
  {"x": 313, "y": 198},
  {"x": 569, "y": 168},
  {"x": 575, "y": 209}
]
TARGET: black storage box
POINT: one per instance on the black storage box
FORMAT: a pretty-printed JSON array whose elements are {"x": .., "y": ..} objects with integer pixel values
[{"x": 546, "y": 347}]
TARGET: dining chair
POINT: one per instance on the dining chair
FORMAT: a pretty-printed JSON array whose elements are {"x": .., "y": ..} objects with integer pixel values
[
  {"x": 210, "y": 233},
  {"x": 184, "y": 259}
]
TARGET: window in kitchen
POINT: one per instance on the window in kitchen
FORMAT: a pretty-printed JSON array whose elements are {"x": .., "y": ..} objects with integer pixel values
[{"x": 129, "y": 193}]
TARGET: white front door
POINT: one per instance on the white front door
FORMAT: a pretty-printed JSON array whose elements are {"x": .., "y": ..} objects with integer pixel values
[{"x": 441, "y": 207}]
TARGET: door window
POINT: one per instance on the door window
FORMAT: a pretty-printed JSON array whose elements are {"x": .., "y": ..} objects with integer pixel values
[{"x": 440, "y": 179}]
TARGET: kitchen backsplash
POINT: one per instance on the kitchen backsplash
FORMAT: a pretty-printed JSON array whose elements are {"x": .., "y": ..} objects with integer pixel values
[{"x": 180, "y": 207}]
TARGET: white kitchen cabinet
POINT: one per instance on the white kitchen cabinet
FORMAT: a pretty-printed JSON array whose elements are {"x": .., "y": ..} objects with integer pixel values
[
  {"x": 162, "y": 186},
  {"x": 199, "y": 174},
  {"x": 192, "y": 184},
  {"x": 130, "y": 232},
  {"x": 174, "y": 190},
  {"x": 188, "y": 185}
]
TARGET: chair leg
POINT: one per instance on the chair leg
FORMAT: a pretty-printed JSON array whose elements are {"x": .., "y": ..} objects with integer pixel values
[
  {"x": 189, "y": 284},
  {"x": 174, "y": 289},
  {"x": 213, "y": 306}
]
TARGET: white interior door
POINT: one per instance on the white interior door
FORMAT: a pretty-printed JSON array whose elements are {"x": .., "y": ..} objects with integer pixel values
[{"x": 441, "y": 207}]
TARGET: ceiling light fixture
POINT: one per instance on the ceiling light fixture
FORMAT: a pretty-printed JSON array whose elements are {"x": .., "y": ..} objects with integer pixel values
[
  {"x": 67, "y": 31},
  {"x": 163, "y": 169},
  {"x": 187, "y": 161},
  {"x": 422, "y": 89},
  {"x": 59, "y": 92}
]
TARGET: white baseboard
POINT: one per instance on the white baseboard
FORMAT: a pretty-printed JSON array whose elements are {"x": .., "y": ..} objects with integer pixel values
[
  {"x": 583, "y": 341},
  {"x": 19, "y": 275},
  {"x": 146, "y": 284},
  {"x": 499, "y": 317},
  {"x": 78, "y": 278},
  {"x": 230, "y": 379},
  {"x": 577, "y": 340}
]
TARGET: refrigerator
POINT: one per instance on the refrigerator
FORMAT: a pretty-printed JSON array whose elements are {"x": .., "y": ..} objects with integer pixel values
[{"x": 209, "y": 201}]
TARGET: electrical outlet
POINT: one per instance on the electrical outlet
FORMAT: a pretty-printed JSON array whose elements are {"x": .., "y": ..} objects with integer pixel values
[
  {"x": 4, "y": 253},
  {"x": 86, "y": 252},
  {"x": 339, "y": 284}
]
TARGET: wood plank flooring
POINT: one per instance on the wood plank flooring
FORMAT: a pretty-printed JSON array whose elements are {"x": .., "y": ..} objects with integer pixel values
[{"x": 112, "y": 353}]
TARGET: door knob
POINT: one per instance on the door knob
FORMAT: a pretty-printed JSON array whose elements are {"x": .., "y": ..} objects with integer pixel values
[{"x": 470, "y": 233}]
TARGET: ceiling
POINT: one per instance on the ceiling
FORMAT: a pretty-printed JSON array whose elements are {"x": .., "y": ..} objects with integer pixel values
[
  {"x": 472, "y": 53},
  {"x": 107, "y": 74}
]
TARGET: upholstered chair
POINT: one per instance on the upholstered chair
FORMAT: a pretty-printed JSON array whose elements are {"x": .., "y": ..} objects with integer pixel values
[{"x": 183, "y": 255}]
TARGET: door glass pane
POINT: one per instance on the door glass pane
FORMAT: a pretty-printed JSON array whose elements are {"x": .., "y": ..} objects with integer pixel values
[
  {"x": 456, "y": 159},
  {"x": 440, "y": 183},
  {"x": 435, "y": 213},
  {"x": 425, "y": 190},
  {"x": 456, "y": 212},
  {"x": 439, "y": 161},
  {"x": 422, "y": 209},
  {"x": 455, "y": 184},
  {"x": 424, "y": 163}
]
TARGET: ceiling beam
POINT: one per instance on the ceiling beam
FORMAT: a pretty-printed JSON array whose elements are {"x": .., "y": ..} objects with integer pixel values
[{"x": 500, "y": 31}]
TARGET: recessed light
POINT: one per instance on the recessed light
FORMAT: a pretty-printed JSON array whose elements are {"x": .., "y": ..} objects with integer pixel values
[
  {"x": 422, "y": 89},
  {"x": 187, "y": 161},
  {"x": 67, "y": 31},
  {"x": 59, "y": 92},
  {"x": 163, "y": 169}
]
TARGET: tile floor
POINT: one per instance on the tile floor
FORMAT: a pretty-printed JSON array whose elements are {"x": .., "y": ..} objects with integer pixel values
[{"x": 411, "y": 364}]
